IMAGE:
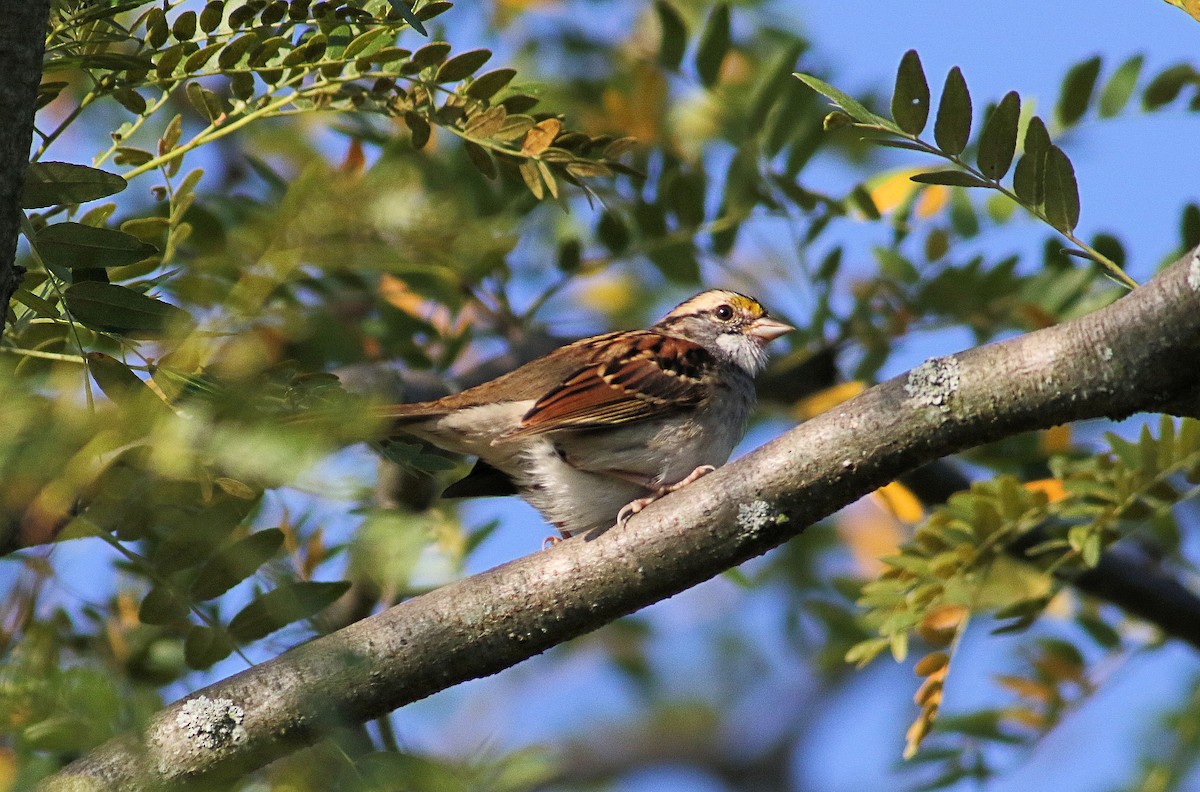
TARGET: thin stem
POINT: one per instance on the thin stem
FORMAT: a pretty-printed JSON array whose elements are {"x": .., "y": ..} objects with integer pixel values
[
  {"x": 34, "y": 353},
  {"x": 49, "y": 139}
]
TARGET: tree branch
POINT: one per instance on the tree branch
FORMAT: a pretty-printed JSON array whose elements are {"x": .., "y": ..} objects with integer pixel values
[
  {"x": 22, "y": 40},
  {"x": 1116, "y": 361}
]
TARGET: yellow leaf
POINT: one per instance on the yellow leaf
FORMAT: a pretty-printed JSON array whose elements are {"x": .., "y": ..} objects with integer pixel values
[
  {"x": 636, "y": 112},
  {"x": 8, "y": 769},
  {"x": 918, "y": 731},
  {"x": 1192, "y": 7},
  {"x": 930, "y": 691},
  {"x": 396, "y": 293},
  {"x": 869, "y": 535},
  {"x": 235, "y": 488},
  {"x": 1056, "y": 439},
  {"x": 1025, "y": 688},
  {"x": 893, "y": 189},
  {"x": 1026, "y": 717},
  {"x": 900, "y": 502},
  {"x": 540, "y": 136},
  {"x": 1052, "y": 488},
  {"x": 939, "y": 626},
  {"x": 931, "y": 663},
  {"x": 828, "y": 398},
  {"x": 932, "y": 201},
  {"x": 611, "y": 294}
]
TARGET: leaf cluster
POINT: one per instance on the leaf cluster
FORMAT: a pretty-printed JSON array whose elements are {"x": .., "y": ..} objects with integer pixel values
[{"x": 961, "y": 558}]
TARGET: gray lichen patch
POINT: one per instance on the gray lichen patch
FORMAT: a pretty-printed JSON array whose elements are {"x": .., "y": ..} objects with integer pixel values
[
  {"x": 1193, "y": 276},
  {"x": 934, "y": 382},
  {"x": 211, "y": 724},
  {"x": 754, "y": 517}
]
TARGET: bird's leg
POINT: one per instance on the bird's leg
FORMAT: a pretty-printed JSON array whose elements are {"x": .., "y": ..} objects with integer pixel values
[{"x": 636, "y": 505}]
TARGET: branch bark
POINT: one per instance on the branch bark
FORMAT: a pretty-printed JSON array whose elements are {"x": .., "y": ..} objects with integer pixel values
[
  {"x": 1119, "y": 360},
  {"x": 22, "y": 41}
]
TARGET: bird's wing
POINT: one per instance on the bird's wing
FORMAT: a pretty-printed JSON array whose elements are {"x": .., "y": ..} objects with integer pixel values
[
  {"x": 525, "y": 383},
  {"x": 632, "y": 377}
]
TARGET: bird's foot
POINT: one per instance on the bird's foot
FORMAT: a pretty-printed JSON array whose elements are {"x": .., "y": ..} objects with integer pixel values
[
  {"x": 634, "y": 506},
  {"x": 550, "y": 541}
]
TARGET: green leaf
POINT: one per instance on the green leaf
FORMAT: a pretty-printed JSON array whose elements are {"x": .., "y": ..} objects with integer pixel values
[
  {"x": 481, "y": 158},
  {"x": 851, "y": 105},
  {"x": 200, "y": 58},
  {"x": 1029, "y": 179},
  {"x": 433, "y": 8},
  {"x": 431, "y": 54},
  {"x": 771, "y": 88},
  {"x": 950, "y": 178},
  {"x": 121, "y": 385},
  {"x": 419, "y": 127},
  {"x": 156, "y": 28},
  {"x": 115, "y": 309},
  {"x": 486, "y": 85},
  {"x": 714, "y": 44},
  {"x": 907, "y": 145},
  {"x": 76, "y": 246},
  {"x": 369, "y": 42},
  {"x": 1110, "y": 247},
  {"x": 892, "y": 264},
  {"x": 168, "y": 60},
  {"x": 462, "y": 65},
  {"x": 612, "y": 232},
  {"x": 51, "y": 183},
  {"x": 677, "y": 261},
  {"x": 910, "y": 99},
  {"x": 952, "y": 128},
  {"x": 205, "y": 646},
  {"x": 233, "y": 52},
  {"x": 288, "y": 603},
  {"x": 1116, "y": 92},
  {"x": 861, "y": 197},
  {"x": 235, "y": 563},
  {"x": 162, "y": 606},
  {"x": 211, "y": 16},
  {"x": 1062, "y": 193},
  {"x": 1189, "y": 226},
  {"x": 406, "y": 13},
  {"x": 674, "y": 35},
  {"x": 1166, "y": 86},
  {"x": 131, "y": 100},
  {"x": 43, "y": 308},
  {"x": 127, "y": 155},
  {"x": 1036, "y": 137},
  {"x": 570, "y": 255},
  {"x": 998, "y": 141},
  {"x": 206, "y": 102},
  {"x": 1077, "y": 89},
  {"x": 532, "y": 178},
  {"x": 184, "y": 27}
]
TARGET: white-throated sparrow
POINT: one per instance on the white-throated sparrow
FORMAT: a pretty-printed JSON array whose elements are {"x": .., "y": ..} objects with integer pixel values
[{"x": 596, "y": 430}]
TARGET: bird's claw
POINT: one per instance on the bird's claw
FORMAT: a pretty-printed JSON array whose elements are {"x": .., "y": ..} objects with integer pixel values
[{"x": 634, "y": 506}]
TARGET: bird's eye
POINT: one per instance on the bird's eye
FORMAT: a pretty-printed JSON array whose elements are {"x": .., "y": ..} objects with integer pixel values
[{"x": 723, "y": 312}]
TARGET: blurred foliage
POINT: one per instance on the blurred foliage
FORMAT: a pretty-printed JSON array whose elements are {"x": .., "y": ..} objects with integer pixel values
[{"x": 274, "y": 190}]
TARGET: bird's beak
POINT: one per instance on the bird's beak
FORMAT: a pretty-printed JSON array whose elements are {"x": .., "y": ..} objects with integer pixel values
[{"x": 766, "y": 329}]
